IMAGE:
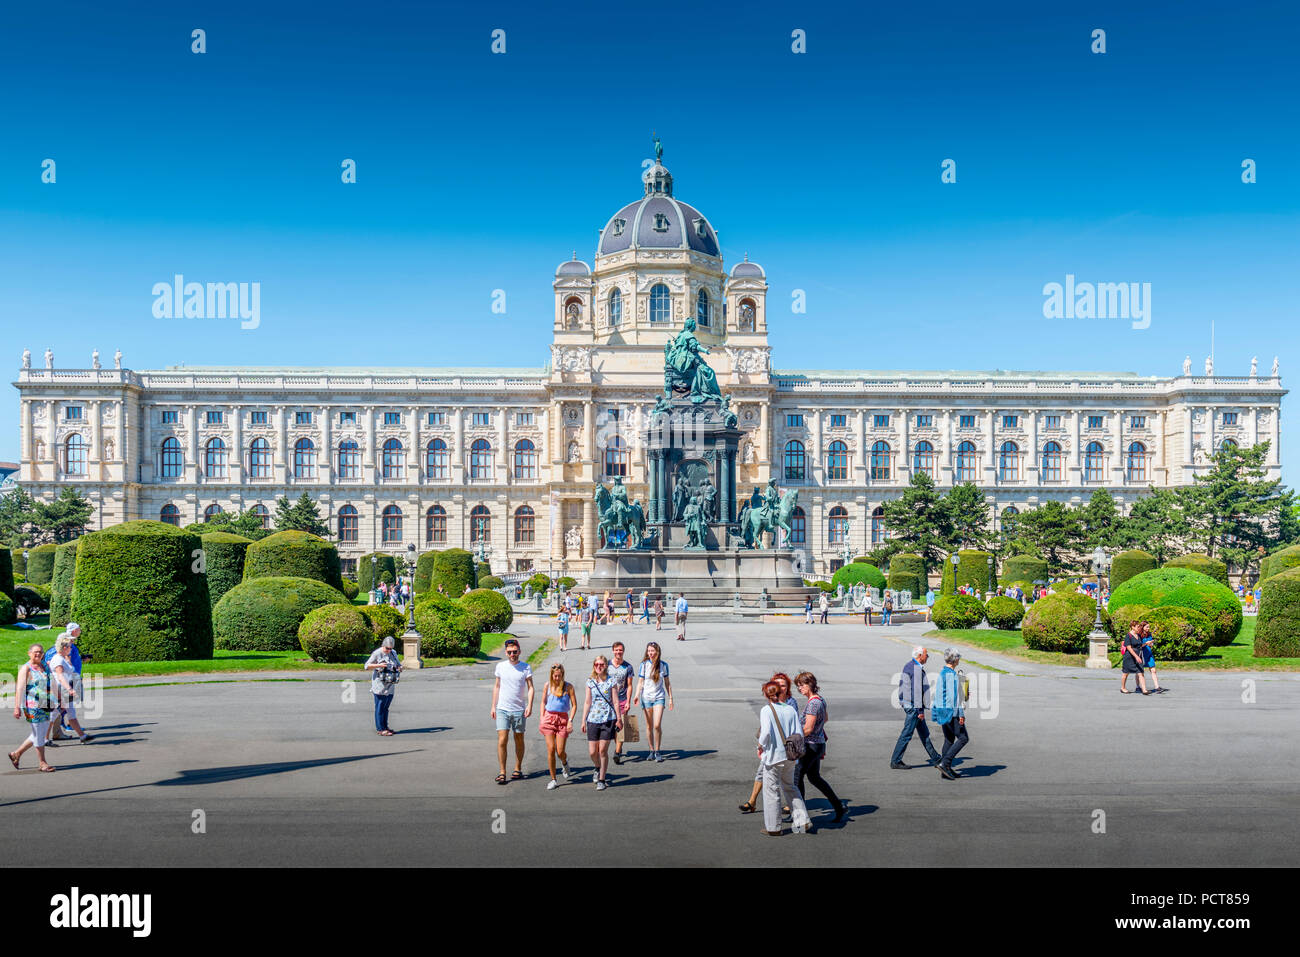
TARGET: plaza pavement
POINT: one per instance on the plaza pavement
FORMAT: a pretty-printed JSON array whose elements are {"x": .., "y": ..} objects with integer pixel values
[{"x": 286, "y": 773}]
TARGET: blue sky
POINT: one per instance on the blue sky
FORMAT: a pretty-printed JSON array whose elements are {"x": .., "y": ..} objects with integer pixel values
[{"x": 479, "y": 172}]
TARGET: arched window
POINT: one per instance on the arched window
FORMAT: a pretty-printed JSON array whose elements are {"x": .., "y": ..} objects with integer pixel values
[
  {"x": 838, "y": 528},
  {"x": 394, "y": 461},
  {"x": 1137, "y": 462},
  {"x": 795, "y": 461},
  {"x": 615, "y": 456},
  {"x": 171, "y": 515},
  {"x": 214, "y": 459},
  {"x": 1227, "y": 444},
  {"x": 524, "y": 525},
  {"x": 703, "y": 309},
  {"x": 660, "y": 303},
  {"x": 525, "y": 459},
  {"x": 798, "y": 527},
  {"x": 435, "y": 525},
  {"x": 837, "y": 461},
  {"x": 263, "y": 515},
  {"x": 880, "y": 462},
  {"x": 74, "y": 455},
  {"x": 211, "y": 512},
  {"x": 1094, "y": 462},
  {"x": 259, "y": 459},
  {"x": 573, "y": 313},
  {"x": 480, "y": 524},
  {"x": 923, "y": 458},
  {"x": 1052, "y": 462},
  {"x": 878, "y": 530},
  {"x": 173, "y": 462},
  {"x": 349, "y": 460},
  {"x": 436, "y": 459},
  {"x": 966, "y": 462},
  {"x": 748, "y": 312},
  {"x": 348, "y": 524},
  {"x": 304, "y": 459},
  {"x": 615, "y": 307},
  {"x": 392, "y": 524},
  {"x": 1009, "y": 516},
  {"x": 1009, "y": 462},
  {"x": 480, "y": 459}
]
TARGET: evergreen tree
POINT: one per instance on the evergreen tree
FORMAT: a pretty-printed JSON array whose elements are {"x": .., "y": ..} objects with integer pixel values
[
  {"x": 65, "y": 518},
  {"x": 284, "y": 516},
  {"x": 301, "y": 516},
  {"x": 1099, "y": 521},
  {"x": 1155, "y": 524},
  {"x": 1232, "y": 509},
  {"x": 17, "y": 518},
  {"x": 1053, "y": 528},
  {"x": 968, "y": 517},
  {"x": 918, "y": 521}
]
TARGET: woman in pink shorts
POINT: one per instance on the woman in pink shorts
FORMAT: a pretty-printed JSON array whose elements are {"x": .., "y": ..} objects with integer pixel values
[{"x": 557, "y": 722}]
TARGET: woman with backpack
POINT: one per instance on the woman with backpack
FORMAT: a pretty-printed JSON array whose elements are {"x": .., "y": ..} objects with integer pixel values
[
  {"x": 814, "y": 735},
  {"x": 780, "y": 745}
]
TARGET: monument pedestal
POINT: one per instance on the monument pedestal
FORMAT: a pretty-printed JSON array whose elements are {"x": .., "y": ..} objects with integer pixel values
[{"x": 705, "y": 576}]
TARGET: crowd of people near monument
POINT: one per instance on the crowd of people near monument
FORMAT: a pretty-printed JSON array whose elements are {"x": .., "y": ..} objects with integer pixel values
[
  {"x": 46, "y": 693},
  {"x": 587, "y": 611}
]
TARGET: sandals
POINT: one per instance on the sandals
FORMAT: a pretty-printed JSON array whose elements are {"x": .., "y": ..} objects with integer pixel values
[
  {"x": 386, "y": 734},
  {"x": 747, "y": 808},
  {"x": 47, "y": 767},
  {"x": 516, "y": 775},
  {"x": 501, "y": 779},
  {"x": 13, "y": 760}
]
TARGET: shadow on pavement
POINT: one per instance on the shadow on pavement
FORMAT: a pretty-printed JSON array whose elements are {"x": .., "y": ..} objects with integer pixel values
[
  {"x": 88, "y": 764},
  {"x": 979, "y": 770},
  {"x": 422, "y": 730},
  {"x": 627, "y": 779}
]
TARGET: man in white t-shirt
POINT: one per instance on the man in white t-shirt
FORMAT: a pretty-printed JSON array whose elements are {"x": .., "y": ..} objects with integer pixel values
[
  {"x": 681, "y": 616},
  {"x": 510, "y": 707}
]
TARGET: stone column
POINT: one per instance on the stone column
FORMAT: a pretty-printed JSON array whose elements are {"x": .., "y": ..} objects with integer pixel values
[
  {"x": 589, "y": 431},
  {"x": 325, "y": 460},
  {"x": 947, "y": 453},
  {"x": 1273, "y": 450},
  {"x": 236, "y": 439},
  {"x": 96, "y": 444},
  {"x": 864, "y": 456},
  {"x": 764, "y": 449},
  {"x": 415, "y": 469},
  {"x": 460, "y": 459},
  {"x": 368, "y": 445},
  {"x": 1075, "y": 451},
  {"x": 192, "y": 452},
  {"x": 1031, "y": 454},
  {"x": 1209, "y": 432},
  {"x": 727, "y": 494},
  {"x": 282, "y": 444},
  {"x": 588, "y": 528},
  {"x": 149, "y": 472},
  {"x": 557, "y": 531},
  {"x": 1117, "y": 433},
  {"x": 1189, "y": 423},
  {"x": 503, "y": 456},
  {"x": 1253, "y": 418},
  {"x": 903, "y": 471},
  {"x": 652, "y": 483}
]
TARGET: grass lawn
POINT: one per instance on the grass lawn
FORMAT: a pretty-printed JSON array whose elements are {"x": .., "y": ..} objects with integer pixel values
[{"x": 1237, "y": 656}]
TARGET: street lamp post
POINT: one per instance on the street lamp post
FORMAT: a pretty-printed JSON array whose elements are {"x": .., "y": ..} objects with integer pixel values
[
  {"x": 956, "y": 560},
  {"x": 1098, "y": 640},
  {"x": 990, "y": 588},
  {"x": 374, "y": 571},
  {"x": 411, "y": 639}
]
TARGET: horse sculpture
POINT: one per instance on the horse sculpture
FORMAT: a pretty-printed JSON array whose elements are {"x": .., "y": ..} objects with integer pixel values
[
  {"x": 621, "y": 524},
  {"x": 755, "y": 521}
]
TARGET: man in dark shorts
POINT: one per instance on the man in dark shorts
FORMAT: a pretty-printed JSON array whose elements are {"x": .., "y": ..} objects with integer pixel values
[{"x": 1131, "y": 649}]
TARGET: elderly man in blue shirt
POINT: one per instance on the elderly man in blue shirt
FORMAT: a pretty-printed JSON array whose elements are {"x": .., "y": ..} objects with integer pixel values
[{"x": 913, "y": 695}]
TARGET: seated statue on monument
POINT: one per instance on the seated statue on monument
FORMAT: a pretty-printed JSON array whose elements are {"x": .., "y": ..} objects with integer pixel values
[{"x": 685, "y": 369}]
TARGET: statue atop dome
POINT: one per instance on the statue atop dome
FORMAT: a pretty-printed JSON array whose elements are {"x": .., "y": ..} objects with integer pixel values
[{"x": 659, "y": 148}]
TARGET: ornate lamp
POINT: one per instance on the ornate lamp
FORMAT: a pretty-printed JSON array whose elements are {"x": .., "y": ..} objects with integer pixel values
[
  {"x": 990, "y": 588},
  {"x": 1097, "y": 638},
  {"x": 411, "y": 638}
]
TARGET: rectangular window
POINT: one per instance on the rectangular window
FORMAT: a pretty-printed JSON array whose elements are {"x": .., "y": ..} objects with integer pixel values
[
  {"x": 1010, "y": 421},
  {"x": 169, "y": 418},
  {"x": 437, "y": 418},
  {"x": 1230, "y": 418},
  {"x": 966, "y": 422},
  {"x": 924, "y": 421},
  {"x": 794, "y": 420},
  {"x": 392, "y": 418},
  {"x": 839, "y": 421},
  {"x": 347, "y": 418},
  {"x": 214, "y": 418},
  {"x": 302, "y": 418},
  {"x": 257, "y": 418},
  {"x": 72, "y": 413},
  {"x": 523, "y": 418},
  {"x": 881, "y": 421},
  {"x": 1096, "y": 421},
  {"x": 1138, "y": 422},
  {"x": 482, "y": 418},
  {"x": 1051, "y": 421}
]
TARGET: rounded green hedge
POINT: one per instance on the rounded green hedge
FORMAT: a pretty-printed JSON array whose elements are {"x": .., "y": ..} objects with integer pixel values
[
  {"x": 565, "y": 580},
  {"x": 385, "y": 570},
  {"x": 491, "y": 581},
  {"x": 1023, "y": 568},
  {"x": 350, "y": 589},
  {"x": 424, "y": 571},
  {"x": 447, "y": 629},
  {"x": 1204, "y": 564},
  {"x": 1181, "y": 634},
  {"x": 1277, "y": 630},
  {"x": 492, "y": 609},
  {"x": 334, "y": 633},
  {"x": 957, "y": 611},
  {"x": 6, "y": 572},
  {"x": 8, "y": 610},
  {"x": 1121, "y": 620},
  {"x": 1279, "y": 561},
  {"x": 1003, "y": 612},
  {"x": 1187, "y": 589},
  {"x": 139, "y": 595},
  {"x": 973, "y": 570},
  {"x": 481, "y": 569},
  {"x": 1128, "y": 564},
  {"x": 907, "y": 573},
  {"x": 453, "y": 570},
  {"x": 17, "y": 562},
  {"x": 385, "y": 620},
  {"x": 29, "y": 599},
  {"x": 263, "y": 614},
  {"x": 906, "y": 581},
  {"x": 40, "y": 564},
  {"x": 1060, "y": 622},
  {"x": 65, "y": 565},
  {"x": 539, "y": 582},
  {"x": 223, "y": 554},
  {"x": 858, "y": 573},
  {"x": 294, "y": 554}
]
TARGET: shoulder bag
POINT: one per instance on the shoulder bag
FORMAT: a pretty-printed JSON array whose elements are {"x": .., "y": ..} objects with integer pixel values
[{"x": 794, "y": 744}]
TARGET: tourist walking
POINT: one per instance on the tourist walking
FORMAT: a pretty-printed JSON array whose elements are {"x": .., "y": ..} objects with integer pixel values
[
  {"x": 654, "y": 691},
  {"x": 913, "y": 693},
  {"x": 659, "y": 612},
  {"x": 807, "y": 609},
  {"x": 866, "y": 609},
  {"x": 631, "y": 607},
  {"x": 778, "y": 726},
  {"x": 1133, "y": 660},
  {"x": 32, "y": 689},
  {"x": 559, "y": 705},
  {"x": 609, "y": 609},
  {"x": 814, "y": 717},
  {"x": 949, "y": 712},
  {"x": 680, "y": 615},
  {"x": 824, "y": 606},
  {"x": 600, "y": 717},
  {"x": 562, "y": 623},
  {"x": 887, "y": 609},
  {"x": 929, "y": 604},
  {"x": 387, "y": 668},
  {"x": 1149, "y": 657},
  {"x": 65, "y": 676},
  {"x": 511, "y": 708},
  {"x": 622, "y": 672},
  {"x": 784, "y": 697},
  {"x": 586, "y": 618},
  {"x": 71, "y": 631},
  {"x": 645, "y": 606}
]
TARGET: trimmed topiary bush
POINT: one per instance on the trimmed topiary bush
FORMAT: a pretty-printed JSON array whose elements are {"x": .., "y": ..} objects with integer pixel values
[
  {"x": 858, "y": 573},
  {"x": 385, "y": 620},
  {"x": 350, "y": 589},
  {"x": 453, "y": 570},
  {"x": 566, "y": 581},
  {"x": 65, "y": 565},
  {"x": 1060, "y": 622},
  {"x": 907, "y": 573},
  {"x": 1180, "y": 634},
  {"x": 1121, "y": 620},
  {"x": 492, "y": 609},
  {"x": 824, "y": 586},
  {"x": 29, "y": 601},
  {"x": 6, "y": 572},
  {"x": 138, "y": 597},
  {"x": 18, "y": 563},
  {"x": 1130, "y": 563},
  {"x": 424, "y": 572},
  {"x": 8, "y": 610},
  {"x": 385, "y": 570},
  {"x": 906, "y": 581},
  {"x": 263, "y": 614},
  {"x": 1023, "y": 568},
  {"x": 973, "y": 571},
  {"x": 1003, "y": 612},
  {"x": 1277, "y": 630},
  {"x": 448, "y": 629},
  {"x": 1203, "y": 564},
  {"x": 334, "y": 633},
  {"x": 1187, "y": 589},
  {"x": 1279, "y": 561},
  {"x": 481, "y": 569},
  {"x": 294, "y": 554},
  {"x": 40, "y": 564},
  {"x": 223, "y": 554},
  {"x": 491, "y": 581},
  {"x": 539, "y": 582},
  {"x": 957, "y": 611}
]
